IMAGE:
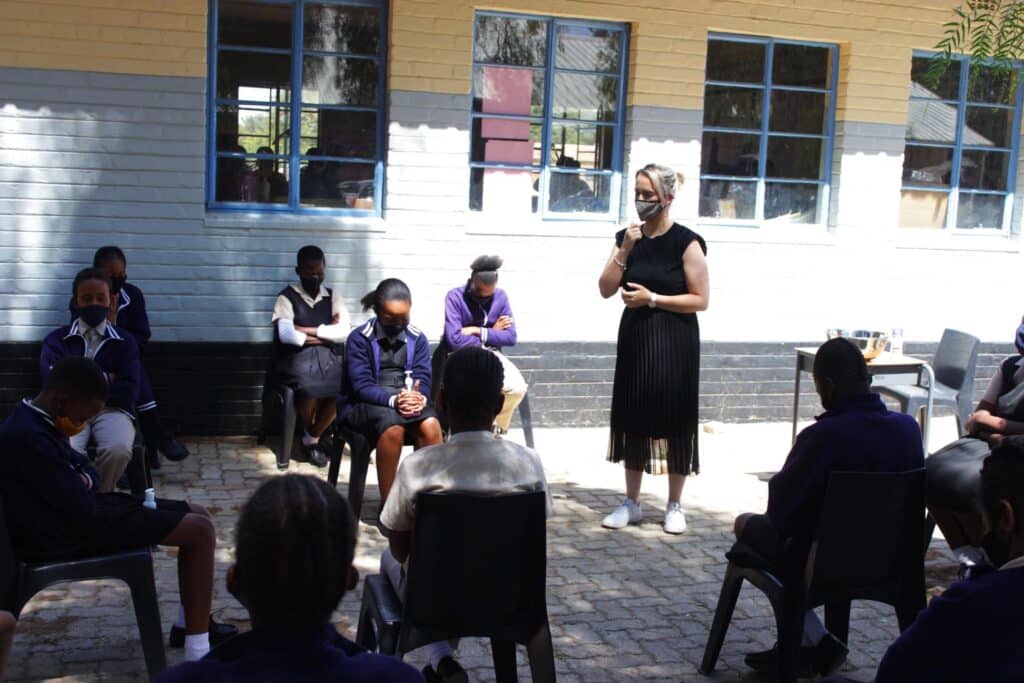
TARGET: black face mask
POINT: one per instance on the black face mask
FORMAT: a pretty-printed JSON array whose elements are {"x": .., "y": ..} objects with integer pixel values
[
  {"x": 116, "y": 283},
  {"x": 310, "y": 285},
  {"x": 997, "y": 549},
  {"x": 393, "y": 330},
  {"x": 93, "y": 315}
]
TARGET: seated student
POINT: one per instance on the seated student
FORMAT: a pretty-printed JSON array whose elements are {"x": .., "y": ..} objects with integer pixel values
[
  {"x": 309, "y": 321},
  {"x": 972, "y": 632},
  {"x": 271, "y": 185},
  {"x": 478, "y": 314},
  {"x": 855, "y": 434},
  {"x": 92, "y": 336},
  {"x": 128, "y": 314},
  {"x": 313, "y": 179},
  {"x": 54, "y": 508},
  {"x": 472, "y": 461},
  {"x": 955, "y": 470},
  {"x": 293, "y": 562},
  {"x": 387, "y": 380}
]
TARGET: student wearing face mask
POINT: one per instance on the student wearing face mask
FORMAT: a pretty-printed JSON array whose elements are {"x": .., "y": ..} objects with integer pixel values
[
  {"x": 310, "y": 325},
  {"x": 387, "y": 381},
  {"x": 91, "y": 335},
  {"x": 954, "y": 471},
  {"x": 128, "y": 314},
  {"x": 478, "y": 314},
  {"x": 658, "y": 267},
  {"x": 55, "y": 509}
]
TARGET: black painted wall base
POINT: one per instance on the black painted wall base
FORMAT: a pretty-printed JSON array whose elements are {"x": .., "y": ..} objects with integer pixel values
[{"x": 215, "y": 388}]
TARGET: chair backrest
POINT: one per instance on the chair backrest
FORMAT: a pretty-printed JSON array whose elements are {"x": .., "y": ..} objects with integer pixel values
[
  {"x": 956, "y": 360},
  {"x": 870, "y": 541},
  {"x": 477, "y": 567}
]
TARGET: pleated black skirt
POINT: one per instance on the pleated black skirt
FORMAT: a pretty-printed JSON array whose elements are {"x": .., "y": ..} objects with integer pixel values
[{"x": 654, "y": 396}]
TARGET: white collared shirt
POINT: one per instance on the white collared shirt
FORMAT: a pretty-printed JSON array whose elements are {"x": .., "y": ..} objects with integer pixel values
[{"x": 93, "y": 337}]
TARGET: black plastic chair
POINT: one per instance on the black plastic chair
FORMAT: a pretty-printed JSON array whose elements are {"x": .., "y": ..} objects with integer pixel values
[
  {"x": 477, "y": 567},
  {"x": 869, "y": 546},
  {"x": 359, "y": 462},
  {"x": 955, "y": 365},
  {"x": 279, "y": 419},
  {"x": 19, "y": 581}
]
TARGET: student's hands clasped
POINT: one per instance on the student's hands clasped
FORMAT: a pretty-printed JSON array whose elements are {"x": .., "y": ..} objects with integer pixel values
[
  {"x": 411, "y": 402},
  {"x": 984, "y": 425}
]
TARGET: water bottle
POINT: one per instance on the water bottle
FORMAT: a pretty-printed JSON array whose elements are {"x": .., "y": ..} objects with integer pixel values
[
  {"x": 896, "y": 341},
  {"x": 408, "y": 380},
  {"x": 150, "y": 500}
]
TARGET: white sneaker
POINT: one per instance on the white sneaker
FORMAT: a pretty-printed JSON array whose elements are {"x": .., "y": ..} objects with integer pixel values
[
  {"x": 675, "y": 520},
  {"x": 627, "y": 513}
]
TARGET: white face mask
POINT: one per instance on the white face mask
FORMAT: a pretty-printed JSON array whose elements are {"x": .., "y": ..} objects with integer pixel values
[{"x": 648, "y": 210}]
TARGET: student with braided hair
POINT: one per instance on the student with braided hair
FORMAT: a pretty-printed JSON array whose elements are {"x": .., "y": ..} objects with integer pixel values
[{"x": 293, "y": 563}]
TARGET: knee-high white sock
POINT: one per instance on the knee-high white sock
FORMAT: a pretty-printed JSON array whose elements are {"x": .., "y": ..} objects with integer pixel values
[
  {"x": 196, "y": 646},
  {"x": 814, "y": 630}
]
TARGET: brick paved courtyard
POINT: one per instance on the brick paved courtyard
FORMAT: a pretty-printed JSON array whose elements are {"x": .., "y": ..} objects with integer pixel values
[{"x": 628, "y": 605}]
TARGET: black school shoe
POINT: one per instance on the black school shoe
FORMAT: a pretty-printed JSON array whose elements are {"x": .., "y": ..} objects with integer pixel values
[
  {"x": 173, "y": 450},
  {"x": 823, "y": 659},
  {"x": 448, "y": 671},
  {"x": 315, "y": 455},
  {"x": 218, "y": 634}
]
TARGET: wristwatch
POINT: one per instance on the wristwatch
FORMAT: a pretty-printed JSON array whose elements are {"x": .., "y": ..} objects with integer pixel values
[{"x": 653, "y": 303}]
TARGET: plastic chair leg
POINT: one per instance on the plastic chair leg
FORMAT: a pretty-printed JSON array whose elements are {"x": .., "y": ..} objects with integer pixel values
[
  {"x": 287, "y": 427},
  {"x": 365, "y": 632},
  {"x": 527, "y": 419},
  {"x": 837, "y": 619},
  {"x": 360, "y": 463},
  {"x": 147, "y": 614},
  {"x": 790, "y": 637},
  {"x": 727, "y": 598},
  {"x": 503, "y": 652},
  {"x": 542, "y": 655},
  {"x": 333, "y": 469}
]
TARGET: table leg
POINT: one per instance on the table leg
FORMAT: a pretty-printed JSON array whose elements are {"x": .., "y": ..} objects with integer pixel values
[
  {"x": 927, "y": 421},
  {"x": 796, "y": 397}
]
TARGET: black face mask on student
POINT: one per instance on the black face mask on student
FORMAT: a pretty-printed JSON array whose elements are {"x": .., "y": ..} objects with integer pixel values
[
  {"x": 310, "y": 285},
  {"x": 117, "y": 283},
  {"x": 93, "y": 315},
  {"x": 393, "y": 330}
]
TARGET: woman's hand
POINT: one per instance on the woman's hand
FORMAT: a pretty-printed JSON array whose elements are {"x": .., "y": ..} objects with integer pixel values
[
  {"x": 636, "y": 297},
  {"x": 411, "y": 402},
  {"x": 634, "y": 233},
  {"x": 503, "y": 323},
  {"x": 471, "y": 331}
]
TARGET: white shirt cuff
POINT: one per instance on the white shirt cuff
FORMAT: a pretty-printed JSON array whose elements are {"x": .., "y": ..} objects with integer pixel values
[
  {"x": 287, "y": 333},
  {"x": 335, "y": 334}
]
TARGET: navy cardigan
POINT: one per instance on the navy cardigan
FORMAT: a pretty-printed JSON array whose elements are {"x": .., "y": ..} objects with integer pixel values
[
  {"x": 362, "y": 366},
  {"x": 117, "y": 354}
]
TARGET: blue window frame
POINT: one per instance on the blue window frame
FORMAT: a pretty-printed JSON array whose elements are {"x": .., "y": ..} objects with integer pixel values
[
  {"x": 296, "y": 106},
  {"x": 769, "y": 116},
  {"x": 960, "y": 156},
  {"x": 547, "y": 114}
]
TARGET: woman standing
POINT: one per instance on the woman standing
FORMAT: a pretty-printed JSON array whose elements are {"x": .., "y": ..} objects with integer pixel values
[{"x": 659, "y": 267}]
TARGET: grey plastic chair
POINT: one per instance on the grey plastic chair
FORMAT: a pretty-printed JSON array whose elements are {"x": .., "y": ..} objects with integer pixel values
[{"x": 955, "y": 365}]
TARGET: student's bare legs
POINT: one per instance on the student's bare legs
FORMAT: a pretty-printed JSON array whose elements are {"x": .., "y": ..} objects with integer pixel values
[
  {"x": 675, "y": 487},
  {"x": 7, "y": 625},
  {"x": 428, "y": 433},
  {"x": 196, "y": 541},
  {"x": 389, "y": 449},
  {"x": 633, "y": 479},
  {"x": 326, "y": 411}
]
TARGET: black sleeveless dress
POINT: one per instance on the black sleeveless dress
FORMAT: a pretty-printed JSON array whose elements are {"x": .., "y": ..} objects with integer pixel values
[
  {"x": 313, "y": 371},
  {"x": 657, "y": 364}
]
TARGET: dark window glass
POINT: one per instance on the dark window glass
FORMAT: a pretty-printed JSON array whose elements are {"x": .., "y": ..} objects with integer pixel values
[
  {"x": 794, "y": 158},
  {"x": 791, "y": 202},
  {"x": 252, "y": 180},
  {"x": 251, "y": 24},
  {"x": 335, "y": 184},
  {"x": 580, "y": 96},
  {"x": 735, "y": 61},
  {"x": 732, "y": 154},
  {"x": 806, "y": 66},
  {"x": 588, "y": 49},
  {"x": 931, "y": 121},
  {"x": 514, "y": 41},
  {"x": 336, "y": 28},
  {"x": 262, "y": 71},
  {"x": 989, "y": 127},
  {"x": 726, "y": 107},
  {"x": 798, "y": 112},
  {"x": 984, "y": 170},
  {"x": 992, "y": 85},
  {"x": 948, "y": 87},
  {"x": 728, "y": 199},
  {"x": 252, "y": 127},
  {"x": 927, "y": 165}
]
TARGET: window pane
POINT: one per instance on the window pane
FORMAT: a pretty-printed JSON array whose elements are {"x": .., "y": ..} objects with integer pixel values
[
  {"x": 791, "y": 202},
  {"x": 794, "y": 158},
  {"x": 980, "y": 210},
  {"x": 992, "y": 85},
  {"x": 579, "y": 193},
  {"x": 727, "y": 199},
  {"x": 334, "y": 28},
  {"x": 798, "y": 112},
  {"x": 335, "y": 80},
  {"x": 803, "y": 65},
  {"x": 251, "y": 128},
  {"x": 507, "y": 192},
  {"x": 250, "y": 24},
  {"x": 735, "y": 61},
  {"x": 336, "y": 184},
  {"x": 988, "y": 127},
  {"x": 732, "y": 107},
  {"x": 506, "y": 141},
  {"x": 984, "y": 170},
  {"x": 582, "y": 146},
  {"x": 588, "y": 49},
  {"x": 507, "y": 90},
  {"x": 344, "y": 133},
  {"x": 931, "y": 121},
  {"x": 507, "y": 40},
  {"x": 591, "y": 98},
  {"x": 920, "y": 209},
  {"x": 729, "y": 154},
  {"x": 263, "y": 181},
  {"x": 948, "y": 87},
  {"x": 927, "y": 165},
  {"x": 266, "y": 74}
]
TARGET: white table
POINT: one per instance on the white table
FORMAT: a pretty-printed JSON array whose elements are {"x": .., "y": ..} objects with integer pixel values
[{"x": 885, "y": 364}]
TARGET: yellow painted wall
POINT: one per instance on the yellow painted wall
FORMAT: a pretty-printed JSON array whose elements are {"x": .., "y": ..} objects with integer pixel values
[
  {"x": 150, "y": 37},
  {"x": 431, "y": 41}
]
